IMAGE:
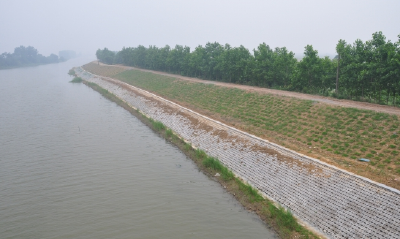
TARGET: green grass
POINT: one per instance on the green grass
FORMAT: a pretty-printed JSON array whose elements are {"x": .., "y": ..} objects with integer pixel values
[
  {"x": 71, "y": 72},
  {"x": 168, "y": 133},
  {"x": 332, "y": 130},
  {"x": 284, "y": 218},
  {"x": 187, "y": 147},
  {"x": 76, "y": 80},
  {"x": 157, "y": 125},
  {"x": 249, "y": 191},
  {"x": 210, "y": 162}
]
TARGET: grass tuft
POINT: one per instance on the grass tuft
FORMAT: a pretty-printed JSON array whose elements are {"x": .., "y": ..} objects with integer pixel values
[
  {"x": 283, "y": 217},
  {"x": 158, "y": 126},
  {"x": 200, "y": 154},
  {"x": 76, "y": 80},
  {"x": 210, "y": 162},
  {"x": 168, "y": 133},
  {"x": 249, "y": 191},
  {"x": 71, "y": 72}
]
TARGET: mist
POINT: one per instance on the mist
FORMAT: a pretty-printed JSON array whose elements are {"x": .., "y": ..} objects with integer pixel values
[{"x": 85, "y": 26}]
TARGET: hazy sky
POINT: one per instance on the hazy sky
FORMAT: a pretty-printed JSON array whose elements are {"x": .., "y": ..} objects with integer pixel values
[{"x": 85, "y": 26}]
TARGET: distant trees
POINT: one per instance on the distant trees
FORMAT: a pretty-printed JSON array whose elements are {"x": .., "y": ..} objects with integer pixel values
[
  {"x": 105, "y": 56},
  {"x": 25, "y": 56},
  {"x": 363, "y": 70}
]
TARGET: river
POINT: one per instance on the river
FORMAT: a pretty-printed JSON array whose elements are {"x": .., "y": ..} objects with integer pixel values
[{"x": 75, "y": 165}]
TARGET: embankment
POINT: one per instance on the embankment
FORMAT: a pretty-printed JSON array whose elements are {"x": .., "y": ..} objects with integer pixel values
[
  {"x": 337, "y": 203},
  {"x": 335, "y": 135}
]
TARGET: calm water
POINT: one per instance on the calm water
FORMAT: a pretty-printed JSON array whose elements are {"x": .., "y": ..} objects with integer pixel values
[{"x": 75, "y": 165}]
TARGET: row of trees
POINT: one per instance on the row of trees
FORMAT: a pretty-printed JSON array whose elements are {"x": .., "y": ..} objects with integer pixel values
[
  {"x": 25, "y": 56},
  {"x": 362, "y": 70}
]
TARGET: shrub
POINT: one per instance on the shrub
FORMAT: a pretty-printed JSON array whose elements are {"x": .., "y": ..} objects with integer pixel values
[
  {"x": 76, "y": 80},
  {"x": 71, "y": 72}
]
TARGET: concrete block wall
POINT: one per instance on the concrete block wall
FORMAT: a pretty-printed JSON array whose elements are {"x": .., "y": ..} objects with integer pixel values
[{"x": 337, "y": 203}]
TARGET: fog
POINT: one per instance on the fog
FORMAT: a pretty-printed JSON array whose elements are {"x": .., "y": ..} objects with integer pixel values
[{"x": 85, "y": 26}]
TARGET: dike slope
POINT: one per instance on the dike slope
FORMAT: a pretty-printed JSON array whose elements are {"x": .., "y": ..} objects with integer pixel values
[
  {"x": 336, "y": 135},
  {"x": 336, "y": 203}
]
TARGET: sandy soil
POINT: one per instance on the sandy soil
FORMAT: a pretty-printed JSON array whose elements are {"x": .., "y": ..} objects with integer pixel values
[{"x": 322, "y": 99}]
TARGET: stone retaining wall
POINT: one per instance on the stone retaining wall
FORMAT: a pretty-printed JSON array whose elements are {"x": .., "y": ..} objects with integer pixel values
[{"x": 336, "y": 203}]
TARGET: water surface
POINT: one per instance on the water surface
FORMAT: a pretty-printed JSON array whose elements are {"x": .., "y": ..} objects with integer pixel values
[{"x": 75, "y": 165}]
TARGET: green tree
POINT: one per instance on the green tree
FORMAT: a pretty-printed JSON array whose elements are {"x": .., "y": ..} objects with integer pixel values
[
  {"x": 339, "y": 49},
  {"x": 308, "y": 73},
  {"x": 106, "y": 56}
]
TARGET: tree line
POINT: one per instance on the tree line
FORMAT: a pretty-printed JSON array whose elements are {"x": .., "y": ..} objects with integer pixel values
[
  {"x": 368, "y": 71},
  {"x": 25, "y": 56}
]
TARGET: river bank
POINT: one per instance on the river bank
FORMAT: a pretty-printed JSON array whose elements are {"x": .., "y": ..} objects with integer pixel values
[
  {"x": 335, "y": 135},
  {"x": 308, "y": 188},
  {"x": 277, "y": 218}
]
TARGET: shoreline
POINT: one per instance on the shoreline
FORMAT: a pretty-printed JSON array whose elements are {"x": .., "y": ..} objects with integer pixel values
[{"x": 30, "y": 65}]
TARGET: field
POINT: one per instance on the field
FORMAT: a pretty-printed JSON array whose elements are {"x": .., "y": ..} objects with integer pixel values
[{"x": 337, "y": 135}]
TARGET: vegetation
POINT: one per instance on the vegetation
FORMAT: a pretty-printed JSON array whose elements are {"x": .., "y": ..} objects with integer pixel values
[
  {"x": 71, "y": 72},
  {"x": 76, "y": 80},
  {"x": 341, "y": 135},
  {"x": 25, "y": 56},
  {"x": 367, "y": 71},
  {"x": 157, "y": 125},
  {"x": 105, "y": 56},
  {"x": 210, "y": 162}
]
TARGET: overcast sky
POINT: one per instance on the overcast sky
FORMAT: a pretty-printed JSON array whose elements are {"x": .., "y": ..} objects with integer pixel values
[{"x": 85, "y": 26}]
